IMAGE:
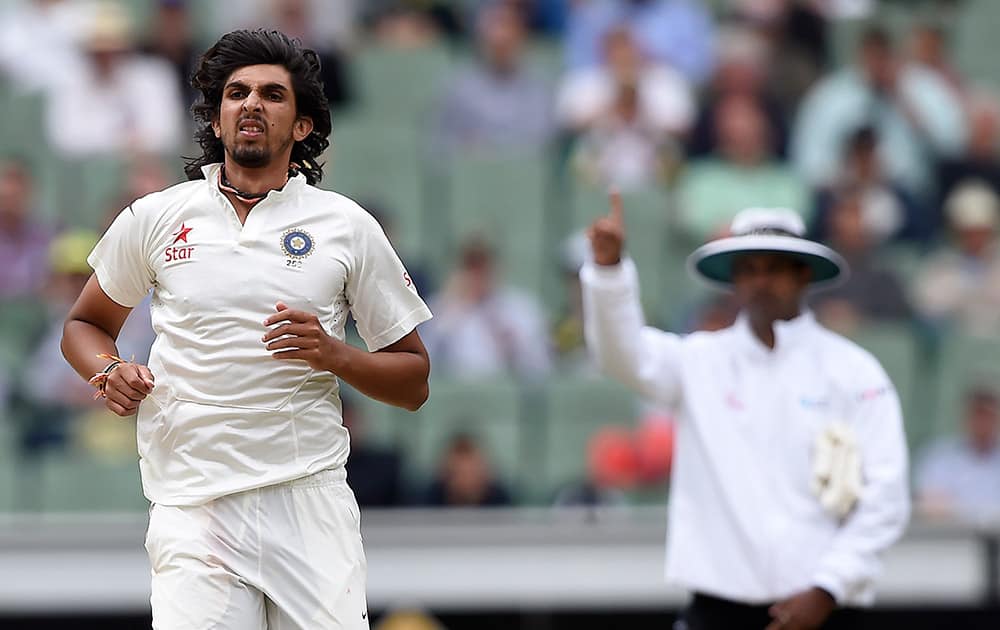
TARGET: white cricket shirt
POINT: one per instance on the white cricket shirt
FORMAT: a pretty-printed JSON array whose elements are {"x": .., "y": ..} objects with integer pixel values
[
  {"x": 743, "y": 523},
  {"x": 224, "y": 415}
]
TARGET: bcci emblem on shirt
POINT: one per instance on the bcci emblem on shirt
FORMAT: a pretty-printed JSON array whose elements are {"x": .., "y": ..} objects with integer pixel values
[{"x": 297, "y": 244}]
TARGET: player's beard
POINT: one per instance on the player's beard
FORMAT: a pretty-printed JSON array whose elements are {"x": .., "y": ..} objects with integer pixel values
[
  {"x": 254, "y": 155},
  {"x": 250, "y": 156}
]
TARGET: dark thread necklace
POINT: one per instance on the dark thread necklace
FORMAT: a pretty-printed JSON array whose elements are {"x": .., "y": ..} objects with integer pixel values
[{"x": 247, "y": 197}]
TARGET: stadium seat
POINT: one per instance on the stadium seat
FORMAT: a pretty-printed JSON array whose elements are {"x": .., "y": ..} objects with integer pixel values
[
  {"x": 76, "y": 483},
  {"x": 502, "y": 198},
  {"x": 896, "y": 348},
  {"x": 378, "y": 163},
  {"x": 401, "y": 85},
  {"x": 22, "y": 322},
  {"x": 577, "y": 407},
  {"x": 966, "y": 361},
  {"x": 488, "y": 411},
  {"x": 90, "y": 189},
  {"x": 648, "y": 238}
]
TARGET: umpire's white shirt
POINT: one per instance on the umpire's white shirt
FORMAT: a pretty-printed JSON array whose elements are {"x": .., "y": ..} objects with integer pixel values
[
  {"x": 224, "y": 415},
  {"x": 742, "y": 522}
]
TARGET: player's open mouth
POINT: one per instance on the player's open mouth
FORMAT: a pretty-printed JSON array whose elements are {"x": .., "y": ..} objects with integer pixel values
[{"x": 251, "y": 128}]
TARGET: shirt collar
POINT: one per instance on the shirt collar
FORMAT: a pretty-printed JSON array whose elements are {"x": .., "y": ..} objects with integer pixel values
[
  {"x": 211, "y": 173},
  {"x": 787, "y": 333}
]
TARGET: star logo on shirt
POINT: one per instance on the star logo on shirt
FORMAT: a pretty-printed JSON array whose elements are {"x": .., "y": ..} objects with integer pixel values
[{"x": 181, "y": 234}]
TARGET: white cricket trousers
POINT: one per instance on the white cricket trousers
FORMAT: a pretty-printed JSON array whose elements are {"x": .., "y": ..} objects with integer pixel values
[{"x": 282, "y": 557}]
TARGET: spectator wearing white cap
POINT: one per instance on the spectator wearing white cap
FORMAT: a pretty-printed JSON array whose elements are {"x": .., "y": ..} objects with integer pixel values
[
  {"x": 960, "y": 285},
  {"x": 790, "y": 464}
]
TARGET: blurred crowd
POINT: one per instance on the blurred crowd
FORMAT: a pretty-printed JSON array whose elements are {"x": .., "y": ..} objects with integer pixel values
[{"x": 888, "y": 150}]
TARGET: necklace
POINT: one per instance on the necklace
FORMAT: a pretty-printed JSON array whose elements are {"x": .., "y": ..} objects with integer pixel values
[{"x": 247, "y": 197}]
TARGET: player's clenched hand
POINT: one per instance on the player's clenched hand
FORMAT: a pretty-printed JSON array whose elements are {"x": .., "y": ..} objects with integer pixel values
[
  {"x": 807, "y": 610},
  {"x": 127, "y": 385},
  {"x": 300, "y": 336},
  {"x": 607, "y": 234}
]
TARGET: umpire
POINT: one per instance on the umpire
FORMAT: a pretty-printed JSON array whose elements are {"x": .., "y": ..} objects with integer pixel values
[{"x": 790, "y": 471}]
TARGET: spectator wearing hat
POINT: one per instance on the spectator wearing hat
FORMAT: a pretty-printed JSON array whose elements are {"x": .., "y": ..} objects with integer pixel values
[
  {"x": 790, "y": 465},
  {"x": 116, "y": 100},
  {"x": 51, "y": 30},
  {"x": 959, "y": 286},
  {"x": 980, "y": 159}
]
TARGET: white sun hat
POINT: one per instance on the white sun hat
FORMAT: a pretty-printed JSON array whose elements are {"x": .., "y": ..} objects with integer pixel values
[{"x": 771, "y": 231}]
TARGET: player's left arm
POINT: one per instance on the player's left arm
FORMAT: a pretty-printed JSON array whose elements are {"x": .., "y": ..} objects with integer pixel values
[{"x": 396, "y": 374}]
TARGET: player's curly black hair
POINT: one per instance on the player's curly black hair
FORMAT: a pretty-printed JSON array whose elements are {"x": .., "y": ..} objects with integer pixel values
[{"x": 242, "y": 48}]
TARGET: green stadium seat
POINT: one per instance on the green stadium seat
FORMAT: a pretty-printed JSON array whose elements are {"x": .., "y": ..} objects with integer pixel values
[
  {"x": 966, "y": 361},
  {"x": 502, "y": 198},
  {"x": 648, "y": 241},
  {"x": 374, "y": 162},
  {"x": 8, "y": 464},
  {"x": 401, "y": 85},
  {"x": 896, "y": 348},
  {"x": 577, "y": 408},
  {"x": 487, "y": 411},
  {"x": 89, "y": 189},
  {"x": 76, "y": 483},
  {"x": 22, "y": 323},
  {"x": 382, "y": 423}
]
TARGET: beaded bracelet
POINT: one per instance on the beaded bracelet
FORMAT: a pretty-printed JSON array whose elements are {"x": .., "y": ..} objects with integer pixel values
[{"x": 100, "y": 380}]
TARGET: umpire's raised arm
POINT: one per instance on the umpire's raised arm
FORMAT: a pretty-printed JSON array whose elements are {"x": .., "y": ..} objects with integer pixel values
[{"x": 639, "y": 356}]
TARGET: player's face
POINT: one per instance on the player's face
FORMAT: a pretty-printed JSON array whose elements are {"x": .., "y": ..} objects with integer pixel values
[
  {"x": 770, "y": 287},
  {"x": 258, "y": 120}
]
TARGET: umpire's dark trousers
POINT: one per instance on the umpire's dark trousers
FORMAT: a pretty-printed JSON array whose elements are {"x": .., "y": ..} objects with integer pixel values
[{"x": 712, "y": 613}]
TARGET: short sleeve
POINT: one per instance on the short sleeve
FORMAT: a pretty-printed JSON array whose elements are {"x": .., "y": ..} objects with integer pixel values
[
  {"x": 382, "y": 296},
  {"x": 119, "y": 260}
]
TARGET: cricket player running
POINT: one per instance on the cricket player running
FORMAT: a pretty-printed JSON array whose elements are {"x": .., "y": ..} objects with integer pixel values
[
  {"x": 790, "y": 471},
  {"x": 253, "y": 271}
]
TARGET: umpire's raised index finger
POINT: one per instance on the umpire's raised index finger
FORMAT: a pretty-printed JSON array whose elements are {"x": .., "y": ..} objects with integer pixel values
[{"x": 617, "y": 210}]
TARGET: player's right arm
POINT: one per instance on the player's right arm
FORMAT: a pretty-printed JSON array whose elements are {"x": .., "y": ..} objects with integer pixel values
[
  {"x": 122, "y": 278},
  {"x": 91, "y": 328},
  {"x": 642, "y": 357}
]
